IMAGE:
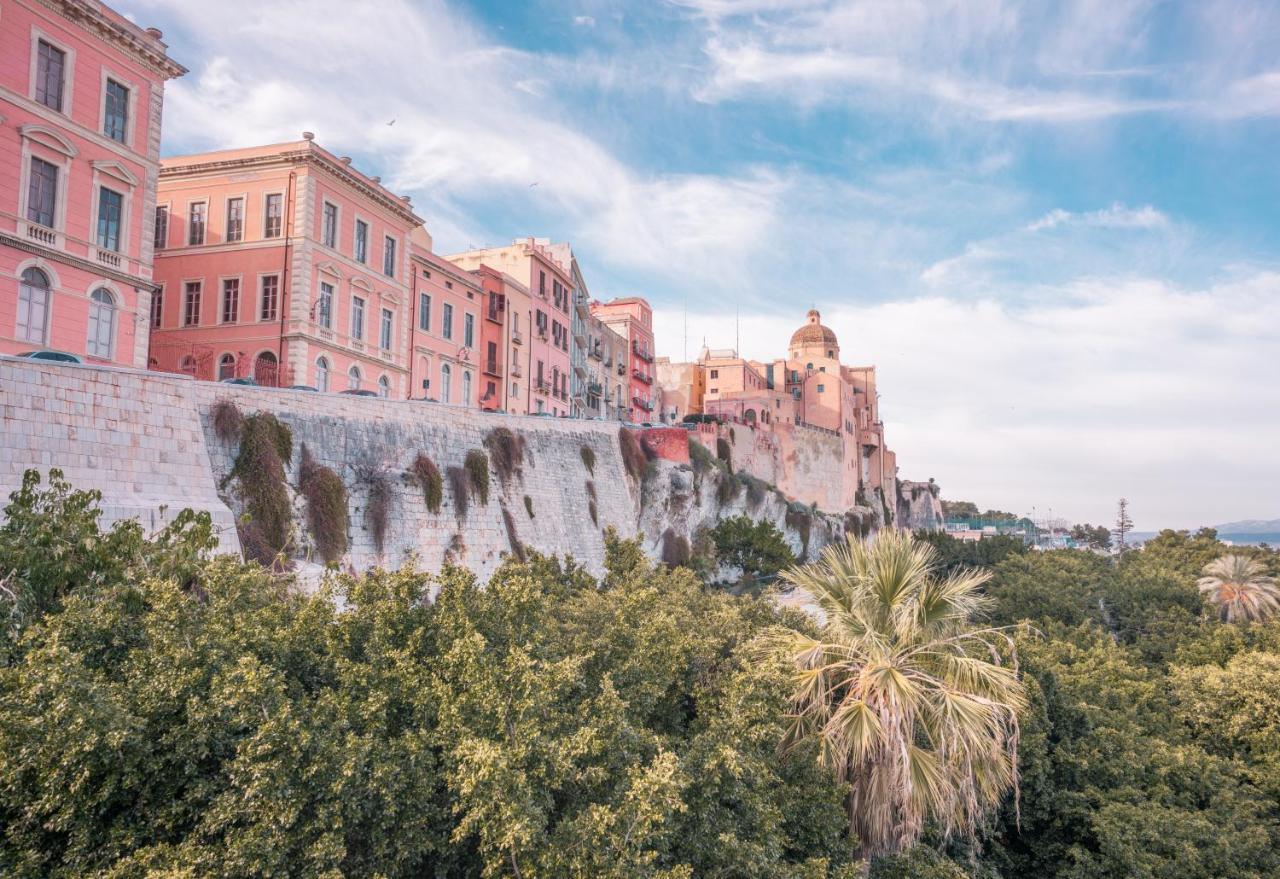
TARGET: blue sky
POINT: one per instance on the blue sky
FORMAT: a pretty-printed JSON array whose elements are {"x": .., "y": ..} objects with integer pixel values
[{"x": 1055, "y": 228}]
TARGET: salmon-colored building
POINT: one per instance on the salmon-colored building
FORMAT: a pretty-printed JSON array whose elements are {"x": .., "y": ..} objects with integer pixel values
[
  {"x": 447, "y": 328},
  {"x": 632, "y": 318},
  {"x": 81, "y": 92},
  {"x": 287, "y": 264},
  {"x": 545, "y": 328}
]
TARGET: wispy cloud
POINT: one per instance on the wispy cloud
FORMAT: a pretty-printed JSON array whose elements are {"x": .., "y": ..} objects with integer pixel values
[{"x": 1115, "y": 217}]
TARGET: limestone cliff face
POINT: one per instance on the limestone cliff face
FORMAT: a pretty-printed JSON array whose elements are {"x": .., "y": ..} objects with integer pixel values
[{"x": 919, "y": 506}]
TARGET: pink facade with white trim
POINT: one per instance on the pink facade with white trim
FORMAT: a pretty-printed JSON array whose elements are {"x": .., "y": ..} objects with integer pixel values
[
  {"x": 632, "y": 318},
  {"x": 81, "y": 92},
  {"x": 446, "y": 328},
  {"x": 285, "y": 263}
]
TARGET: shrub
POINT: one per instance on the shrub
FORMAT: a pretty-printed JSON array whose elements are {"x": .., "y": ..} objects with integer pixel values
[
  {"x": 675, "y": 549},
  {"x": 588, "y": 459},
  {"x": 700, "y": 457},
  {"x": 377, "y": 508},
  {"x": 265, "y": 446},
  {"x": 591, "y": 502},
  {"x": 517, "y": 549},
  {"x": 724, "y": 453},
  {"x": 507, "y": 450},
  {"x": 528, "y": 505},
  {"x": 634, "y": 456},
  {"x": 228, "y": 423},
  {"x": 326, "y": 507},
  {"x": 756, "y": 489},
  {"x": 758, "y": 548},
  {"x": 727, "y": 488},
  {"x": 800, "y": 518},
  {"x": 426, "y": 474},
  {"x": 856, "y": 525},
  {"x": 460, "y": 485},
  {"x": 477, "y": 464}
]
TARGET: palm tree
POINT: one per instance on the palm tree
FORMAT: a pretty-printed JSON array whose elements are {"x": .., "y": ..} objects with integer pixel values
[
  {"x": 904, "y": 693},
  {"x": 1240, "y": 589}
]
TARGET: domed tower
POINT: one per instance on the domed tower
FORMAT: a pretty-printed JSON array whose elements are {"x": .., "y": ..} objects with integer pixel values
[{"x": 813, "y": 340}]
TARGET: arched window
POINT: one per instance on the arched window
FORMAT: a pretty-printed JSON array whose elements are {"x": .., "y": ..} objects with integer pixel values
[
  {"x": 322, "y": 375},
  {"x": 33, "y": 306},
  {"x": 749, "y": 416},
  {"x": 384, "y": 387},
  {"x": 266, "y": 369},
  {"x": 353, "y": 378},
  {"x": 226, "y": 367},
  {"x": 446, "y": 374},
  {"x": 102, "y": 323},
  {"x": 466, "y": 388},
  {"x": 188, "y": 365}
]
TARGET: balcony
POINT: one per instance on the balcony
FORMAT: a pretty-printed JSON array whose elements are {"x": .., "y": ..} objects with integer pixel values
[
  {"x": 542, "y": 333},
  {"x": 107, "y": 257},
  {"x": 622, "y": 368},
  {"x": 640, "y": 376},
  {"x": 515, "y": 370},
  {"x": 542, "y": 386},
  {"x": 494, "y": 315},
  {"x": 493, "y": 368},
  {"x": 594, "y": 389},
  {"x": 42, "y": 234},
  {"x": 643, "y": 353}
]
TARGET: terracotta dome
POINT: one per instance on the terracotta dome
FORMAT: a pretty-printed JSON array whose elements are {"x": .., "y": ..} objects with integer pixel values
[{"x": 814, "y": 333}]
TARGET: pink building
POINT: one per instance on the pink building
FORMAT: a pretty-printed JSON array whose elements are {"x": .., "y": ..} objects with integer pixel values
[
  {"x": 632, "y": 318},
  {"x": 81, "y": 91},
  {"x": 548, "y": 327},
  {"x": 447, "y": 328},
  {"x": 284, "y": 263}
]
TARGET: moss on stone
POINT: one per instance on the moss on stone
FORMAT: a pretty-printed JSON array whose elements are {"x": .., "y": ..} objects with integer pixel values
[
  {"x": 265, "y": 447},
  {"x": 477, "y": 464},
  {"x": 326, "y": 498},
  {"x": 426, "y": 474}
]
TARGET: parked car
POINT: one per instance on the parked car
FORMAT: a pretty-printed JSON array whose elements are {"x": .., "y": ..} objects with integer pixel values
[
  {"x": 240, "y": 380},
  {"x": 55, "y": 356},
  {"x": 359, "y": 392},
  {"x": 303, "y": 388}
]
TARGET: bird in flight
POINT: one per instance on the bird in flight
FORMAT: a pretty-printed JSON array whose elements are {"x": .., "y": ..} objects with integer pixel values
[{"x": 392, "y": 122}]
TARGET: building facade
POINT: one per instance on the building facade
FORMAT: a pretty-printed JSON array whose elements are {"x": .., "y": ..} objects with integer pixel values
[
  {"x": 286, "y": 264},
  {"x": 608, "y": 381},
  {"x": 632, "y": 318},
  {"x": 548, "y": 329},
  {"x": 81, "y": 96},
  {"x": 446, "y": 337}
]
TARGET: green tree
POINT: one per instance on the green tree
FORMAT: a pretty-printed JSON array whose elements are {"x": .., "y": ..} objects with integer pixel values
[
  {"x": 903, "y": 691},
  {"x": 757, "y": 548},
  {"x": 1092, "y": 536}
]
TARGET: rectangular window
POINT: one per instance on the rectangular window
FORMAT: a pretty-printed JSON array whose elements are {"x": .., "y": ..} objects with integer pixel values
[
  {"x": 447, "y": 329},
  {"x": 424, "y": 312},
  {"x": 387, "y": 323},
  {"x": 191, "y": 305},
  {"x": 362, "y": 241},
  {"x": 269, "y": 309},
  {"x": 715, "y": 373},
  {"x": 389, "y": 258},
  {"x": 469, "y": 330},
  {"x": 42, "y": 192},
  {"x": 324, "y": 307},
  {"x": 157, "y": 308},
  {"x": 116, "y": 115},
  {"x": 51, "y": 66},
  {"x": 357, "y": 317},
  {"x": 230, "y": 300},
  {"x": 162, "y": 226},
  {"x": 542, "y": 284},
  {"x": 274, "y": 216},
  {"x": 110, "y": 206},
  {"x": 330, "y": 231},
  {"x": 235, "y": 219},
  {"x": 195, "y": 222}
]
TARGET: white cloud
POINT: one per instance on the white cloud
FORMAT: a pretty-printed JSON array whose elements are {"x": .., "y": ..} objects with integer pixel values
[
  {"x": 1103, "y": 388},
  {"x": 1115, "y": 217},
  {"x": 584, "y": 21}
]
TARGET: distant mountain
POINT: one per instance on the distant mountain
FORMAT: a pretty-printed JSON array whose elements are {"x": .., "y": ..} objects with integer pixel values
[{"x": 1250, "y": 526}]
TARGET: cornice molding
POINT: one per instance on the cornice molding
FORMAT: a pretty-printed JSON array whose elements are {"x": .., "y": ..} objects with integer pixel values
[
  {"x": 67, "y": 259},
  {"x": 93, "y": 19}
]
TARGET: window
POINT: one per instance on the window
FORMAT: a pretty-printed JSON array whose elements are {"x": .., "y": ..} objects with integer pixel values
[
  {"x": 715, "y": 373},
  {"x": 157, "y": 308},
  {"x": 821, "y": 388},
  {"x": 195, "y": 222},
  {"x": 110, "y": 206},
  {"x": 424, "y": 312},
  {"x": 226, "y": 367},
  {"x": 51, "y": 66},
  {"x": 33, "y": 306},
  {"x": 330, "y": 231},
  {"x": 389, "y": 258},
  {"x": 446, "y": 376},
  {"x": 322, "y": 375},
  {"x": 387, "y": 322},
  {"x": 265, "y": 370},
  {"x": 353, "y": 378},
  {"x": 469, "y": 330},
  {"x": 542, "y": 284},
  {"x": 362, "y": 241},
  {"x": 274, "y": 214},
  {"x": 357, "y": 317},
  {"x": 466, "y": 387},
  {"x": 42, "y": 192},
  {"x": 235, "y": 219},
  {"x": 162, "y": 226},
  {"x": 446, "y": 329},
  {"x": 230, "y": 300},
  {"x": 191, "y": 305},
  {"x": 324, "y": 306},
  {"x": 270, "y": 303},
  {"x": 384, "y": 387},
  {"x": 187, "y": 365},
  {"x": 116, "y": 113}
]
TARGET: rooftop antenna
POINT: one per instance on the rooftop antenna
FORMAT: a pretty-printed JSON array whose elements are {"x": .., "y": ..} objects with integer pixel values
[
  {"x": 737, "y": 336},
  {"x": 686, "y": 328}
]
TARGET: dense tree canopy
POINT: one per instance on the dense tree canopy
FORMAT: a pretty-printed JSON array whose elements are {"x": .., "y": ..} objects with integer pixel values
[{"x": 164, "y": 713}]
